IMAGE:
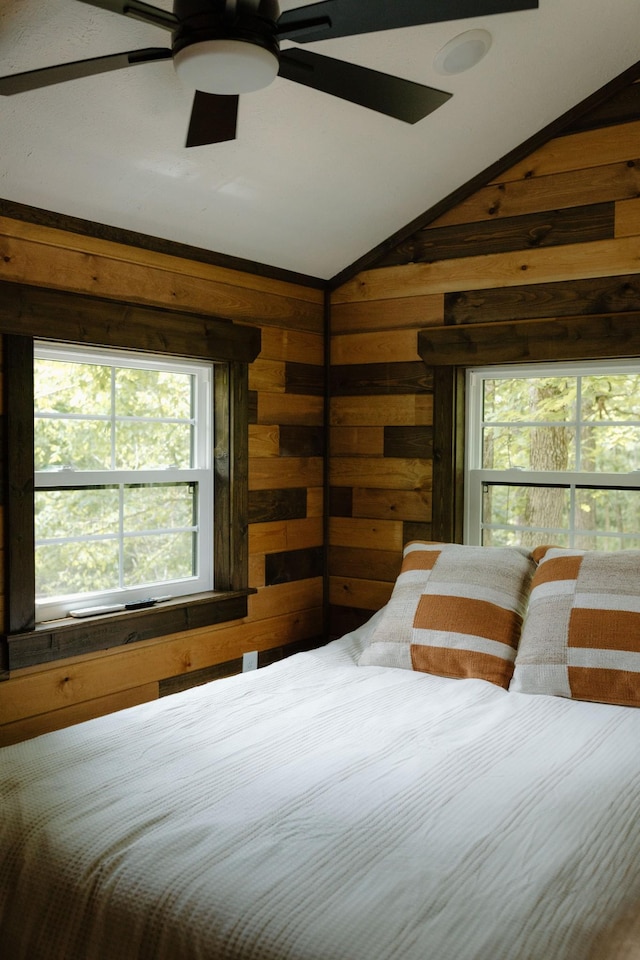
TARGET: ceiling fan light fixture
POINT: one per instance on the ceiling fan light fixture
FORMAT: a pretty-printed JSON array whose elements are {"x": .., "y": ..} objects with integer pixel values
[
  {"x": 462, "y": 52},
  {"x": 226, "y": 66}
]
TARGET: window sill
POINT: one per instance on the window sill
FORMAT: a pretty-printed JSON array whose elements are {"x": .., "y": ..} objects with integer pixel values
[{"x": 57, "y": 639}]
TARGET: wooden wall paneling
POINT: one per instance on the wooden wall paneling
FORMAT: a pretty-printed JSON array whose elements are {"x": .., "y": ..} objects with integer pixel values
[
  {"x": 366, "y": 533},
  {"x": 304, "y": 378},
  {"x": 357, "y": 441},
  {"x": 82, "y": 679},
  {"x": 549, "y": 228},
  {"x": 622, "y": 107},
  {"x": 360, "y": 348},
  {"x": 283, "y": 473},
  {"x": 367, "y": 594},
  {"x": 615, "y": 181},
  {"x": 294, "y": 346},
  {"x": 576, "y": 151},
  {"x": 403, "y": 312},
  {"x": 363, "y": 564},
  {"x": 287, "y": 597},
  {"x": 297, "y": 564},
  {"x": 267, "y": 375},
  {"x": 269, "y": 505},
  {"x": 408, "y": 441},
  {"x": 600, "y": 258},
  {"x": 366, "y": 411},
  {"x": 627, "y": 217},
  {"x": 34, "y": 726},
  {"x": 569, "y": 338},
  {"x": 82, "y": 273},
  {"x": 283, "y": 408},
  {"x": 394, "y": 473},
  {"x": 184, "y": 261},
  {"x": 563, "y": 298},
  {"x": 390, "y": 504},
  {"x": 279, "y": 535},
  {"x": 264, "y": 439},
  {"x": 301, "y": 440},
  {"x": 402, "y": 377}
]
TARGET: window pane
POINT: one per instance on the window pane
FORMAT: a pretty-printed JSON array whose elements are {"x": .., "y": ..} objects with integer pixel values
[
  {"x": 607, "y": 511},
  {"x": 152, "y": 446},
  {"x": 75, "y": 513},
  {"x": 153, "y": 559},
  {"x": 64, "y": 387},
  {"x": 535, "y": 398},
  {"x": 528, "y": 448},
  {"x": 69, "y": 568},
  {"x": 153, "y": 393},
  {"x": 610, "y": 449},
  {"x": 81, "y": 444},
  {"x": 518, "y": 509},
  {"x": 615, "y": 397},
  {"x": 158, "y": 506}
]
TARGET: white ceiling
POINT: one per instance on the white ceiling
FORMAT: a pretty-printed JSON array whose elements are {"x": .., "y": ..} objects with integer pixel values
[{"x": 312, "y": 183}]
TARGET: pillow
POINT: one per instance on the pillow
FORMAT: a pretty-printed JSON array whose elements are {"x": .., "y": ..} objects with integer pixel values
[
  {"x": 455, "y": 611},
  {"x": 581, "y": 637}
]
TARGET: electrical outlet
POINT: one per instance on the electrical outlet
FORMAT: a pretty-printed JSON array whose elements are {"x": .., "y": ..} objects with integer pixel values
[{"x": 250, "y": 661}]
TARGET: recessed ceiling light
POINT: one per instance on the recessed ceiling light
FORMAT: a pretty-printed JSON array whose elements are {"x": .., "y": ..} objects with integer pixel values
[{"x": 463, "y": 52}]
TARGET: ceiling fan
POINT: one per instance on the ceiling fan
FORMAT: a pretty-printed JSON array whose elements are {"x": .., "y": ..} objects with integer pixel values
[{"x": 222, "y": 48}]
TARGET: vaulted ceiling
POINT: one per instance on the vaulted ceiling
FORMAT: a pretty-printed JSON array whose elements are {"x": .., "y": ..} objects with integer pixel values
[{"x": 312, "y": 182}]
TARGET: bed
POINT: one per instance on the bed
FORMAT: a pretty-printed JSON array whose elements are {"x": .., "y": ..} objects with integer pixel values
[{"x": 332, "y": 808}]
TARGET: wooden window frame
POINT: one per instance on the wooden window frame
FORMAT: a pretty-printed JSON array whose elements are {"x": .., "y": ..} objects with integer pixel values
[
  {"x": 451, "y": 350},
  {"x": 32, "y": 313}
]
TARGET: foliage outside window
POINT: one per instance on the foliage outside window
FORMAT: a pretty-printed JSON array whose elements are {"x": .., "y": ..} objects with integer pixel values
[
  {"x": 553, "y": 455},
  {"x": 123, "y": 477}
]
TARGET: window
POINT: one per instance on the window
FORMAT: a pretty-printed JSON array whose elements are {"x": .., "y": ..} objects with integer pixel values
[
  {"x": 140, "y": 345},
  {"x": 553, "y": 455},
  {"x": 123, "y": 477}
]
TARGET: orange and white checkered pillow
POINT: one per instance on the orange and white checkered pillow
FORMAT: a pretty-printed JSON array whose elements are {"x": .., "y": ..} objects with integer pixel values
[
  {"x": 581, "y": 637},
  {"x": 455, "y": 611}
]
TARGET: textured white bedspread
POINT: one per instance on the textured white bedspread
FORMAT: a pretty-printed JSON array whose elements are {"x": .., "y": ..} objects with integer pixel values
[{"x": 317, "y": 810}]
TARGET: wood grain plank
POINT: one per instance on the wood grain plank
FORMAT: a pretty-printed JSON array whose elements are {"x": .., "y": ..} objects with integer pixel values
[
  {"x": 304, "y": 378},
  {"x": 293, "y": 346},
  {"x": 363, "y": 564},
  {"x": 599, "y": 258},
  {"x": 341, "y": 501},
  {"x": 381, "y": 411},
  {"x": 286, "y": 597},
  {"x": 288, "y": 566},
  {"x": 576, "y": 151},
  {"x": 550, "y": 228},
  {"x": 381, "y": 474},
  {"x": 627, "y": 219},
  {"x": 391, "y": 504},
  {"x": 264, "y": 440},
  {"x": 621, "y": 107},
  {"x": 285, "y": 408},
  {"x": 285, "y": 472},
  {"x": 397, "y": 346},
  {"x": 366, "y": 534},
  {"x": 301, "y": 441},
  {"x": 401, "y": 313},
  {"x": 34, "y": 726},
  {"x": 408, "y": 441},
  {"x": 129, "y": 253},
  {"x": 266, "y": 506},
  {"x": 279, "y": 535},
  {"x": 83, "y": 273},
  {"x": 79, "y": 680},
  {"x": 616, "y": 181},
  {"x": 267, "y": 375},
  {"x": 569, "y": 338},
  {"x": 357, "y": 441},
  {"x": 562, "y": 298},
  {"x": 366, "y": 594},
  {"x": 380, "y": 378}
]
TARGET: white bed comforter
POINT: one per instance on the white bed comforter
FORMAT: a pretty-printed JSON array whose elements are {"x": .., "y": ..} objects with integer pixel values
[{"x": 318, "y": 810}]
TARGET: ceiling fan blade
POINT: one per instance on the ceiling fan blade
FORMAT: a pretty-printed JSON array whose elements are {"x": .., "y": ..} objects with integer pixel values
[
  {"x": 393, "y": 96},
  {"x": 344, "y": 18},
  {"x": 138, "y": 10},
  {"x": 46, "y": 76},
  {"x": 213, "y": 119}
]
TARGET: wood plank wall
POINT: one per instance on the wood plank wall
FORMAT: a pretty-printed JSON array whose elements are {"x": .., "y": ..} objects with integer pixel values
[
  {"x": 285, "y": 474},
  {"x": 556, "y": 236}
]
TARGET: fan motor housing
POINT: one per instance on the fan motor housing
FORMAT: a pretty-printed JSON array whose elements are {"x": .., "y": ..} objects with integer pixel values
[{"x": 250, "y": 21}]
